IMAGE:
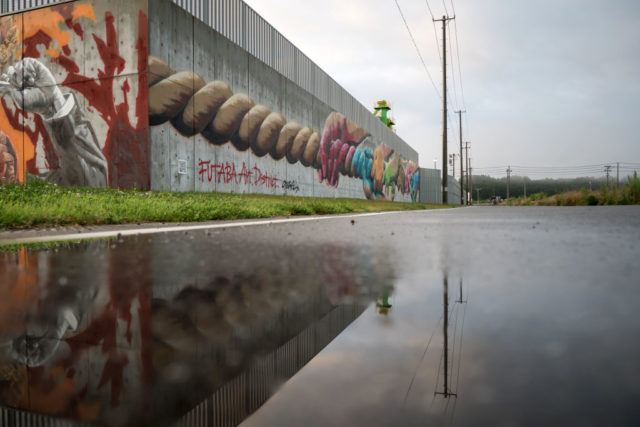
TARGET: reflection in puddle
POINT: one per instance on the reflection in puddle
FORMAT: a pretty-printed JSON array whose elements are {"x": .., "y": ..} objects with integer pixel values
[
  {"x": 449, "y": 369},
  {"x": 142, "y": 331}
]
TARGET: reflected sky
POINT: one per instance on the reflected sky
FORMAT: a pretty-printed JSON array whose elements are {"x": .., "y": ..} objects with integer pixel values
[
  {"x": 549, "y": 334},
  {"x": 335, "y": 323}
]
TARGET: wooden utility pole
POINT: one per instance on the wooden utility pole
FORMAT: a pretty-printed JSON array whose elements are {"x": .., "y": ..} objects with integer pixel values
[
  {"x": 470, "y": 178},
  {"x": 466, "y": 152},
  {"x": 463, "y": 197},
  {"x": 445, "y": 189},
  {"x": 508, "y": 180},
  {"x": 607, "y": 170}
]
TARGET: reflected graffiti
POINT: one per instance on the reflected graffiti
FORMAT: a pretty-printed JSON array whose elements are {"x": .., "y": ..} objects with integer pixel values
[{"x": 77, "y": 343}]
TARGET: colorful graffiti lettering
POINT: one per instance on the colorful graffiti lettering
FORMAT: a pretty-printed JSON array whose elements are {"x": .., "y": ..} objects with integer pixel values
[{"x": 228, "y": 172}]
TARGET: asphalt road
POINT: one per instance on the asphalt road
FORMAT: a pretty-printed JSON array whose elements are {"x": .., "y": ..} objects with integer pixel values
[{"x": 339, "y": 321}]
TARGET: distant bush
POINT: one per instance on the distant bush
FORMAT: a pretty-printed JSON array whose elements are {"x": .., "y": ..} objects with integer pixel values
[
  {"x": 627, "y": 195},
  {"x": 632, "y": 190},
  {"x": 538, "y": 196}
]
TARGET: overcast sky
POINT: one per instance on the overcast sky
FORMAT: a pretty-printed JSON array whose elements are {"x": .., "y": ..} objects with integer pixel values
[{"x": 546, "y": 82}]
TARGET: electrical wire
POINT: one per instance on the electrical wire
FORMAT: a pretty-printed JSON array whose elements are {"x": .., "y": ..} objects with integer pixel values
[
  {"x": 453, "y": 74},
  {"x": 417, "y": 49},
  {"x": 424, "y": 353},
  {"x": 445, "y": 7},
  {"x": 435, "y": 31}
]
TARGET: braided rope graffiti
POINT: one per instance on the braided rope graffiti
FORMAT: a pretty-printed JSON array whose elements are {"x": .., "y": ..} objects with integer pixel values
[{"x": 212, "y": 110}]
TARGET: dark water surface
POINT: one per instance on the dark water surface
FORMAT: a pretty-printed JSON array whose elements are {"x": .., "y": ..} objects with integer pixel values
[{"x": 335, "y": 323}]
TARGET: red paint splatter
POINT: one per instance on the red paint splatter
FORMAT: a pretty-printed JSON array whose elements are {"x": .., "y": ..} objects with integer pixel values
[
  {"x": 126, "y": 146},
  {"x": 112, "y": 374},
  {"x": 30, "y": 44}
]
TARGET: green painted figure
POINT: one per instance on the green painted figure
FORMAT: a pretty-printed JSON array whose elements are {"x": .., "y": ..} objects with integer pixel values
[{"x": 381, "y": 111}]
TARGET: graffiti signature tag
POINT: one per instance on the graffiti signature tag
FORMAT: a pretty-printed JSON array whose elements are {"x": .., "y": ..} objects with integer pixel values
[
  {"x": 290, "y": 185},
  {"x": 228, "y": 172}
]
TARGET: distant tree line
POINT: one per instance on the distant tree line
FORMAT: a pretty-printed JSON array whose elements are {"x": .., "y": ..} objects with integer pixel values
[{"x": 490, "y": 187}]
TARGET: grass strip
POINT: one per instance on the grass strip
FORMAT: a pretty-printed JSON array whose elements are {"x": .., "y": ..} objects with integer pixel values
[{"x": 40, "y": 204}]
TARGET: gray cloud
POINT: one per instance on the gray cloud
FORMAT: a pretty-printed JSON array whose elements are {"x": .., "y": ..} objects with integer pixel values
[{"x": 545, "y": 83}]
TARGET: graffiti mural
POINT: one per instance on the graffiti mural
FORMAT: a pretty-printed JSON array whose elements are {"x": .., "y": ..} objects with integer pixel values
[
  {"x": 212, "y": 110},
  {"x": 65, "y": 87}
]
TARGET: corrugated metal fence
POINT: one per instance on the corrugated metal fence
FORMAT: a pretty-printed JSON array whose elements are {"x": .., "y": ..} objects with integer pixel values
[
  {"x": 431, "y": 187},
  {"x": 238, "y": 22},
  {"x": 10, "y": 417}
]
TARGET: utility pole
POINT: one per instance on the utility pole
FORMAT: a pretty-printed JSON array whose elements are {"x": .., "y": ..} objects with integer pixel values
[
  {"x": 524, "y": 180},
  {"x": 462, "y": 198},
  {"x": 508, "y": 179},
  {"x": 607, "y": 170},
  {"x": 470, "y": 178},
  {"x": 445, "y": 189},
  {"x": 452, "y": 162},
  {"x": 466, "y": 151}
]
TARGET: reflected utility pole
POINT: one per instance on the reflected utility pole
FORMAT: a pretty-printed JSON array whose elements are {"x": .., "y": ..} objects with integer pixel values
[
  {"x": 445, "y": 331},
  {"x": 460, "y": 300}
]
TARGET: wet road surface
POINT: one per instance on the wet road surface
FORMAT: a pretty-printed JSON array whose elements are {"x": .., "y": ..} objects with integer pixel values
[{"x": 335, "y": 322}]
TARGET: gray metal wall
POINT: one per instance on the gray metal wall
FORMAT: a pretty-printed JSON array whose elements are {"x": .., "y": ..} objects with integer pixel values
[
  {"x": 431, "y": 187},
  {"x": 10, "y": 6}
]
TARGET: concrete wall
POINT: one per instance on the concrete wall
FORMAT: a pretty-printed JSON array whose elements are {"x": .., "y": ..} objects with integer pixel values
[
  {"x": 80, "y": 117},
  {"x": 223, "y": 120}
]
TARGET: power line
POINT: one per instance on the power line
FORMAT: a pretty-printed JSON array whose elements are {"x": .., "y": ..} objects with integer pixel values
[
  {"x": 417, "y": 49},
  {"x": 445, "y": 7},
  {"x": 464, "y": 104},
  {"x": 453, "y": 74},
  {"x": 435, "y": 31}
]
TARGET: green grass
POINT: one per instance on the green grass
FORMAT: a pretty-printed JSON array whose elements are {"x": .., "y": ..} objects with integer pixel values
[{"x": 40, "y": 204}]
